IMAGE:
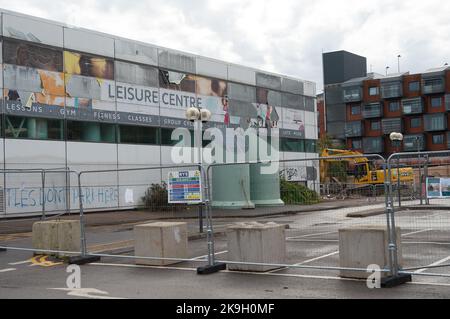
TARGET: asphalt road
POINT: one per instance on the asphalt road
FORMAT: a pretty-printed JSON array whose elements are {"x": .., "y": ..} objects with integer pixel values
[{"x": 312, "y": 240}]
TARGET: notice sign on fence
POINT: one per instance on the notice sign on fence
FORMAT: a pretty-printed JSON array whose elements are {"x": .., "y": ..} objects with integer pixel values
[
  {"x": 185, "y": 187},
  {"x": 438, "y": 187}
]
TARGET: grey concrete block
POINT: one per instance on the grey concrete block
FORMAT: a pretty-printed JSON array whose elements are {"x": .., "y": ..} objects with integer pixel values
[
  {"x": 361, "y": 246},
  {"x": 161, "y": 239},
  {"x": 257, "y": 243},
  {"x": 61, "y": 235}
]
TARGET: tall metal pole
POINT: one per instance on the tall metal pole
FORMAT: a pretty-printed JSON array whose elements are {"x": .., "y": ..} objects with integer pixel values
[{"x": 198, "y": 138}]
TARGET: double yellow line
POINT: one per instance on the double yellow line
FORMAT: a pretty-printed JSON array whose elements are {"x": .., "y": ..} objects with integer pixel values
[{"x": 42, "y": 260}]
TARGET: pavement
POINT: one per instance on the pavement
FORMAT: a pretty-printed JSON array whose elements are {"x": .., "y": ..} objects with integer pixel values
[{"x": 311, "y": 241}]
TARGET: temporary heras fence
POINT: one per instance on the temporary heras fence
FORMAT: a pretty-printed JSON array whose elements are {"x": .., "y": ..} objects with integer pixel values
[
  {"x": 424, "y": 219},
  {"x": 327, "y": 194}
]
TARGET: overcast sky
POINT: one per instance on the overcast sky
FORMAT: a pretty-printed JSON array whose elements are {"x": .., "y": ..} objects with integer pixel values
[{"x": 283, "y": 36}]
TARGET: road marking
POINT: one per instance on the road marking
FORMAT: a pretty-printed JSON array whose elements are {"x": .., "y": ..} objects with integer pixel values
[
  {"x": 265, "y": 274},
  {"x": 312, "y": 235},
  {"x": 437, "y": 263},
  {"x": 306, "y": 261},
  {"x": 21, "y": 262},
  {"x": 86, "y": 293},
  {"x": 44, "y": 262},
  {"x": 417, "y": 232},
  {"x": 204, "y": 256},
  {"x": 7, "y": 269}
]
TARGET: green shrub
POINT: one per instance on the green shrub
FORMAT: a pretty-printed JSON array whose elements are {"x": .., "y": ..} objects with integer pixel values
[
  {"x": 296, "y": 194},
  {"x": 156, "y": 199}
]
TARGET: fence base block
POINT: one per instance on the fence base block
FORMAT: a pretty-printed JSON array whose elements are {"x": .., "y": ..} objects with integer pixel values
[
  {"x": 206, "y": 270},
  {"x": 2, "y": 249},
  {"x": 398, "y": 280},
  {"x": 82, "y": 260}
]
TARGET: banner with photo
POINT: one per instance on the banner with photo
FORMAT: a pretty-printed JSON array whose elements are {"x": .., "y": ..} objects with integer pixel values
[{"x": 438, "y": 187}]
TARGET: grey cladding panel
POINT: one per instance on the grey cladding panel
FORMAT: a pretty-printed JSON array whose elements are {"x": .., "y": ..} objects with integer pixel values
[
  {"x": 22, "y": 78},
  {"x": 292, "y": 86},
  {"x": 268, "y": 81},
  {"x": 242, "y": 92},
  {"x": 293, "y": 101},
  {"x": 136, "y": 74},
  {"x": 135, "y": 52},
  {"x": 177, "y": 61}
]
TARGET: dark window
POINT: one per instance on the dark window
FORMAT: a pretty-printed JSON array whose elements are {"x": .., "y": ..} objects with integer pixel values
[
  {"x": 373, "y": 91},
  {"x": 91, "y": 132},
  {"x": 356, "y": 144},
  {"x": 34, "y": 56},
  {"x": 88, "y": 65},
  {"x": 310, "y": 146},
  {"x": 166, "y": 138},
  {"x": 414, "y": 86},
  {"x": 416, "y": 122},
  {"x": 438, "y": 139},
  {"x": 356, "y": 109},
  {"x": 436, "y": 102},
  {"x": 394, "y": 106},
  {"x": 375, "y": 126},
  {"x": 138, "y": 135},
  {"x": 34, "y": 128},
  {"x": 292, "y": 145}
]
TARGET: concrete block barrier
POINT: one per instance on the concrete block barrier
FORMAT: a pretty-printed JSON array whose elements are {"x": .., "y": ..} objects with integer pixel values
[
  {"x": 160, "y": 239},
  {"x": 361, "y": 246},
  {"x": 62, "y": 235},
  {"x": 256, "y": 243}
]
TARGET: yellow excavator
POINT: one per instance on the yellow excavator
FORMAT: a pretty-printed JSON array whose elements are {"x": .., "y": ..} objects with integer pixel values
[{"x": 363, "y": 172}]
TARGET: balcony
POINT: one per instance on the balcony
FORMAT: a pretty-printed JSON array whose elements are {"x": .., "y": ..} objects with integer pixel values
[
  {"x": 391, "y": 90},
  {"x": 373, "y": 145},
  {"x": 412, "y": 106},
  {"x": 352, "y": 94},
  {"x": 432, "y": 86},
  {"x": 391, "y": 125},
  {"x": 373, "y": 110},
  {"x": 435, "y": 122},
  {"x": 447, "y": 102},
  {"x": 413, "y": 143},
  {"x": 353, "y": 129}
]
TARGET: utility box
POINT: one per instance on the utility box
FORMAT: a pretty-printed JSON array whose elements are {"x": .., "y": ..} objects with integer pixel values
[
  {"x": 61, "y": 235},
  {"x": 161, "y": 239},
  {"x": 361, "y": 246},
  {"x": 256, "y": 243}
]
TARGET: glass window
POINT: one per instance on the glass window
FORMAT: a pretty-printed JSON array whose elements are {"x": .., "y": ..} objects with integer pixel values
[
  {"x": 356, "y": 109},
  {"x": 438, "y": 139},
  {"x": 138, "y": 135},
  {"x": 88, "y": 65},
  {"x": 436, "y": 102},
  {"x": 356, "y": 144},
  {"x": 34, "y": 128},
  {"x": 394, "y": 106},
  {"x": 91, "y": 132},
  {"x": 292, "y": 145},
  {"x": 435, "y": 122},
  {"x": 310, "y": 146},
  {"x": 416, "y": 122},
  {"x": 375, "y": 126},
  {"x": 414, "y": 86},
  {"x": 34, "y": 56},
  {"x": 373, "y": 91}
]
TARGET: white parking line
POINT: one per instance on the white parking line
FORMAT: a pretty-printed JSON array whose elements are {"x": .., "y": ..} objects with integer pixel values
[
  {"x": 142, "y": 266},
  {"x": 312, "y": 235},
  {"x": 437, "y": 263},
  {"x": 417, "y": 232},
  {"x": 305, "y": 262},
  {"x": 204, "y": 256},
  {"x": 7, "y": 269},
  {"x": 20, "y": 262}
]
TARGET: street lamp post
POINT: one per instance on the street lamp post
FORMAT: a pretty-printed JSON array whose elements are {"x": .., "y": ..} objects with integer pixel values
[
  {"x": 420, "y": 170},
  {"x": 397, "y": 139},
  {"x": 398, "y": 61},
  {"x": 198, "y": 116},
  {"x": 387, "y": 68}
]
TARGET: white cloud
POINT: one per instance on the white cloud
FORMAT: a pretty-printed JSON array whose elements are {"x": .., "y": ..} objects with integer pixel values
[{"x": 284, "y": 36}]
